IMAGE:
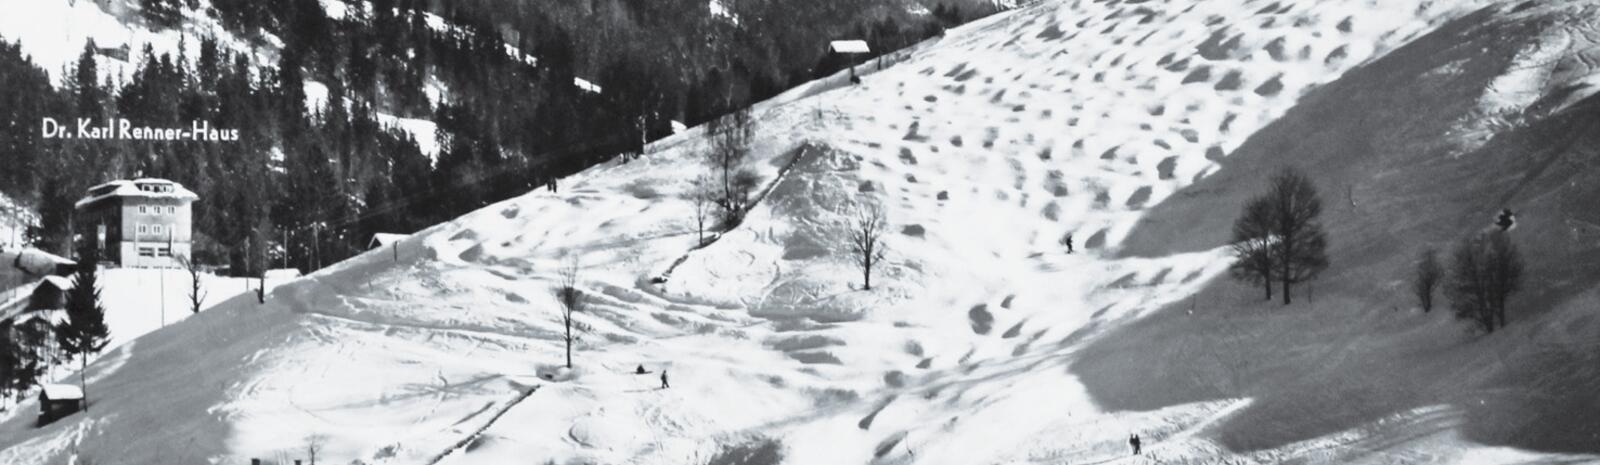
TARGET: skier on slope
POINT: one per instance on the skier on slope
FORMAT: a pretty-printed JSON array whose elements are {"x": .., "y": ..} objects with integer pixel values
[
  {"x": 664, "y": 384},
  {"x": 1069, "y": 242}
]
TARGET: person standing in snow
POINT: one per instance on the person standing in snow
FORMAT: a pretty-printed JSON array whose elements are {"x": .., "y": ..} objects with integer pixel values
[
  {"x": 1069, "y": 242},
  {"x": 1133, "y": 440},
  {"x": 664, "y": 384}
]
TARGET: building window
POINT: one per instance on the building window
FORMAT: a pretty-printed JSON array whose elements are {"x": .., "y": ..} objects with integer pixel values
[
  {"x": 147, "y": 251},
  {"x": 144, "y": 229},
  {"x": 163, "y": 252},
  {"x": 142, "y": 210},
  {"x": 155, "y": 229},
  {"x": 172, "y": 210}
]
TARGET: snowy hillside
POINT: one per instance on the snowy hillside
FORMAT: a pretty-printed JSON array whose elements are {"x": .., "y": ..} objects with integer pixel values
[
  {"x": 1136, "y": 127},
  {"x": 53, "y": 33}
]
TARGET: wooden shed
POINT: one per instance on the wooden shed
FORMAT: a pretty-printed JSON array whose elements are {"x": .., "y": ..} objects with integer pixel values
[{"x": 58, "y": 400}]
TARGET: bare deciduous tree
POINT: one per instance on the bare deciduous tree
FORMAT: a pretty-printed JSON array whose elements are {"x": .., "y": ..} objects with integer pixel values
[
  {"x": 1485, "y": 271},
  {"x": 730, "y": 138},
  {"x": 314, "y": 445},
  {"x": 866, "y": 240},
  {"x": 1425, "y": 279},
  {"x": 571, "y": 300},
  {"x": 700, "y": 196},
  {"x": 197, "y": 293},
  {"x": 1301, "y": 246},
  {"x": 1278, "y": 238},
  {"x": 1252, "y": 245}
]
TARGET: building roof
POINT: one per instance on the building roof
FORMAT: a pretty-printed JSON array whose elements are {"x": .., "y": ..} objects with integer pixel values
[
  {"x": 62, "y": 392},
  {"x": 32, "y": 260},
  {"x": 586, "y": 85},
  {"x": 383, "y": 239},
  {"x": 60, "y": 282},
  {"x": 53, "y": 317},
  {"x": 132, "y": 188},
  {"x": 849, "y": 46}
]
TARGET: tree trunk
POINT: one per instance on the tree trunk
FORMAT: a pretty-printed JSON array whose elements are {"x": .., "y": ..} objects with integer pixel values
[
  {"x": 83, "y": 365},
  {"x": 866, "y": 272},
  {"x": 1286, "y": 284},
  {"x": 569, "y": 342},
  {"x": 1267, "y": 284}
]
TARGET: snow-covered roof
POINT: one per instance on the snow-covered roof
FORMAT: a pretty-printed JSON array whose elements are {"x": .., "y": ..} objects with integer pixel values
[
  {"x": 383, "y": 239},
  {"x": 586, "y": 85},
  {"x": 52, "y": 316},
  {"x": 62, "y": 392},
  {"x": 142, "y": 187},
  {"x": 34, "y": 260},
  {"x": 849, "y": 46},
  {"x": 60, "y": 282}
]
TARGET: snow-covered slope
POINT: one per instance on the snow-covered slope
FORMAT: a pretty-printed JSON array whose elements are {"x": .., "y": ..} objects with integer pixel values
[
  {"x": 981, "y": 340},
  {"x": 53, "y": 33}
]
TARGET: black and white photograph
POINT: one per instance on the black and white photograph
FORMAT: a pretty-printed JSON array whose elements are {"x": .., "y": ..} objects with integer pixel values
[{"x": 799, "y": 232}]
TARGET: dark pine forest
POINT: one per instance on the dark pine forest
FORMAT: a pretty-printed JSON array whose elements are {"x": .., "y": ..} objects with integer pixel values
[{"x": 308, "y": 187}]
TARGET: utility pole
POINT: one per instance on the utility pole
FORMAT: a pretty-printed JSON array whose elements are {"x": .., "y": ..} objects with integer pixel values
[{"x": 163, "y": 279}]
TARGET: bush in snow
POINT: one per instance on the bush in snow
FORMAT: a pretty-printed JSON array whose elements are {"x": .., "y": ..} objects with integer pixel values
[{"x": 737, "y": 203}]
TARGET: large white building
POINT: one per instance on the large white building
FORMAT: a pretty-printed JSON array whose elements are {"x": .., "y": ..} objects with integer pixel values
[{"x": 138, "y": 223}]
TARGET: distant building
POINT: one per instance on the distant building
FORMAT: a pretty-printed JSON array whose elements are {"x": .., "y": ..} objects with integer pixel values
[
  {"x": 850, "y": 48},
  {"x": 50, "y": 294},
  {"x": 58, "y": 400},
  {"x": 385, "y": 239},
  {"x": 138, "y": 223}
]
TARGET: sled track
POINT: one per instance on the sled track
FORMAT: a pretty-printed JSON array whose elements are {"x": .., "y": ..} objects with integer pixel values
[{"x": 462, "y": 444}]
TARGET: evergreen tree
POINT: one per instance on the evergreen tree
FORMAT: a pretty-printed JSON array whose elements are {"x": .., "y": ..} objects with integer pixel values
[
  {"x": 25, "y": 99},
  {"x": 24, "y": 359},
  {"x": 164, "y": 13},
  {"x": 85, "y": 332}
]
